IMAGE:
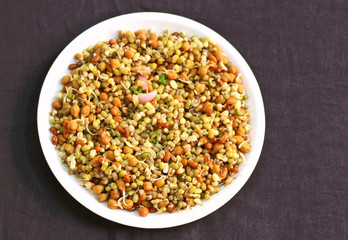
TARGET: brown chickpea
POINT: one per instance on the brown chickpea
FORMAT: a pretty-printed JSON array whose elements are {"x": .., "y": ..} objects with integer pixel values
[
  {"x": 103, "y": 96},
  {"x": 163, "y": 203},
  {"x": 116, "y": 102},
  {"x": 127, "y": 150},
  {"x": 224, "y": 59},
  {"x": 184, "y": 76},
  {"x": 114, "y": 194},
  {"x": 143, "y": 211},
  {"x": 207, "y": 107},
  {"x": 61, "y": 139},
  {"x": 75, "y": 111},
  {"x": 98, "y": 189},
  {"x": 75, "y": 84},
  {"x": 150, "y": 87},
  {"x": 240, "y": 131},
  {"x": 179, "y": 98},
  {"x": 203, "y": 70},
  {"x": 115, "y": 63},
  {"x": 220, "y": 99},
  {"x": 240, "y": 89},
  {"x": 102, "y": 197},
  {"x": 233, "y": 69},
  {"x": 226, "y": 77},
  {"x": 102, "y": 66},
  {"x": 185, "y": 46},
  {"x": 190, "y": 202},
  {"x": 65, "y": 79},
  {"x": 85, "y": 110},
  {"x": 128, "y": 204},
  {"x": 245, "y": 147},
  {"x": 132, "y": 161},
  {"x": 115, "y": 111},
  {"x": 224, "y": 172},
  {"x": 105, "y": 140},
  {"x": 171, "y": 208},
  {"x": 208, "y": 146},
  {"x": 57, "y": 105},
  {"x": 217, "y": 147},
  {"x": 112, "y": 204},
  {"x": 172, "y": 75},
  {"x": 178, "y": 150},
  {"x": 153, "y": 40},
  {"x": 218, "y": 53},
  {"x": 147, "y": 186},
  {"x": 95, "y": 162},
  {"x": 203, "y": 140},
  {"x": 120, "y": 185},
  {"x": 238, "y": 139},
  {"x": 72, "y": 125},
  {"x": 231, "y": 101},
  {"x": 200, "y": 87},
  {"x": 215, "y": 169},
  {"x": 159, "y": 183},
  {"x": 223, "y": 139},
  {"x": 91, "y": 118},
  {"x": 112, "y": 41},
  {"x": 110, "y": 155},
  {"x": 129, "y": 54},
  {"x": 69, "y": 148}
]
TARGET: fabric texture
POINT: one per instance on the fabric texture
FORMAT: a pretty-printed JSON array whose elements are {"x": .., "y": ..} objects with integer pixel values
[{"x": 298, "y": 53}]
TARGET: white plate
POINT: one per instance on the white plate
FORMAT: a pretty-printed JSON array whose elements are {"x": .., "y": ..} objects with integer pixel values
[{"x": 158, "y": 22}]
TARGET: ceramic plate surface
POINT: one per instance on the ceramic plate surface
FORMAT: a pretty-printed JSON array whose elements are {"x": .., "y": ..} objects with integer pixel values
[{"x": 158, "y": 22}]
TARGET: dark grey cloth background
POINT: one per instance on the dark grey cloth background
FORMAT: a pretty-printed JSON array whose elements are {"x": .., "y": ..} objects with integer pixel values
[{"x": 298, "y": 52}]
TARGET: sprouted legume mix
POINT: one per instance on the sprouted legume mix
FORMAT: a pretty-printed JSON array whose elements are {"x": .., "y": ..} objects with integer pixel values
[{"x": 152, "y": 122}]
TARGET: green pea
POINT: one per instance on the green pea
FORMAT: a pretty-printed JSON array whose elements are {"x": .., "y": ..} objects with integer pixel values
[
  {"x": 135, "y": 198},
  {"x": 122, "y": 173},
  {"x": 140, "y": 183},
  {"x": 141, "y": 177},
  {"x": 113, "y": 186},
  {"x": 174, "y": 165}
]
